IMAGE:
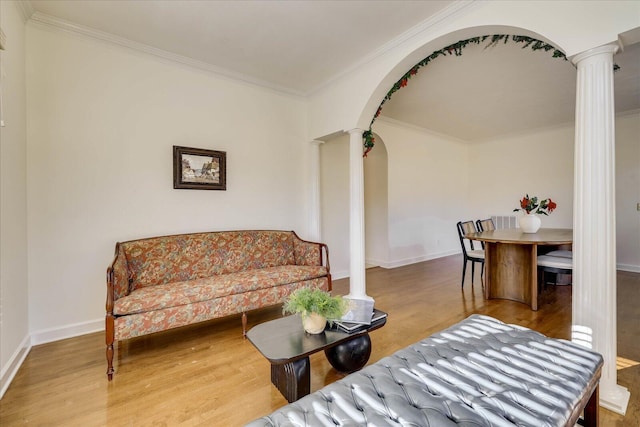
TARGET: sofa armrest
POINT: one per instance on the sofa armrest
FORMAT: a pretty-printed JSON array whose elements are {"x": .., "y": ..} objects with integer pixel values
[
  {"x": 118, "y": 278},
  {"x": 310, "y": 253}
]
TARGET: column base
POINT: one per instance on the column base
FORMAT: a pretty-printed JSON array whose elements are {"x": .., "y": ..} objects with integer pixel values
[
  {"x": 614, "y": 398},
  {"x": 363, "y": 297}
]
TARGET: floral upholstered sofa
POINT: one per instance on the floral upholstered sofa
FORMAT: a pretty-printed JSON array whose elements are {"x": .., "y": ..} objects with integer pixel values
[{"x": 160, "y": 283}]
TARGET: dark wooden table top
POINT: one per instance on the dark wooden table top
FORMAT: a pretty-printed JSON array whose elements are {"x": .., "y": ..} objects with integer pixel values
[
  {"x": 544, "y": 236},
  {"x": 283, "y": 340}
]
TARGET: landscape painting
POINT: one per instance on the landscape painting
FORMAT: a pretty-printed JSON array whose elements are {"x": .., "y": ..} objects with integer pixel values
[{"x": 199, "y": 169}]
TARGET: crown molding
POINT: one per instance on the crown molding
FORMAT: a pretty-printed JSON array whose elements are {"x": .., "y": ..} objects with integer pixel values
[
  {"x": 70, "y": 27},
  {"x": 67, "y": 26},
  {"x": 26, "y": 9},
  {"x": 423, "y": 26}
]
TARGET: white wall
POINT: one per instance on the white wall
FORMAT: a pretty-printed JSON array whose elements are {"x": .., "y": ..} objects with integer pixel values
[
  {"x": 427, "y": 192},
  {"x": 14, "y": 320},
  {"x": 415, "y": 192},
  {"x": 376, "y": 205},
  {"x": 539, "y": 163},
  {"x": 412, "y": 201},
  {"x": 102, "y": 123},
  {"x": 628, "y": 191},
  {"x": 334, "y": 202},
  {"x": 433, "y": 181}
]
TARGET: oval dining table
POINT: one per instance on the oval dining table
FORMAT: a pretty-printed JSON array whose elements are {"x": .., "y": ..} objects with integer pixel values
[{"x": 510, "y": 258}]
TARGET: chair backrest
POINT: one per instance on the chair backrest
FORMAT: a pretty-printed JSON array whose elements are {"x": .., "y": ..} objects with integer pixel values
[
  {"x": 466, "y": 227},
  {"x": 485, "y": 224}
]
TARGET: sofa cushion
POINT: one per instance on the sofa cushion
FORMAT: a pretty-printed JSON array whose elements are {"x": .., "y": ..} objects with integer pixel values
[
  {"x": 192, "y": 291},
  {"x": 149, "y": 322},
  {"x": 167, "y": 259}
]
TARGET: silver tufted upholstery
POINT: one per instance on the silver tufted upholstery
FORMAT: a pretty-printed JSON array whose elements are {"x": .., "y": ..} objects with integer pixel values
[{"x": 479, "y": 372}]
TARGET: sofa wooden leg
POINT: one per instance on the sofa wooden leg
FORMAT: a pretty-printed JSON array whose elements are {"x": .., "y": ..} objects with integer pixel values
[
  {"x": 109, "y": 338},
  {"x": 110, "y": 362},
  {"x": 244, "y": 324}
]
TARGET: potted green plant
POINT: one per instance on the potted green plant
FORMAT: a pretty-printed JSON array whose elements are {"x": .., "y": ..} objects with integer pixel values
[{"x": 315, "y": 306}]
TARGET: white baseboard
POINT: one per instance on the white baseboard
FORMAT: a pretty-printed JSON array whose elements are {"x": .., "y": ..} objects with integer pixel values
[
  {"x": 337, "y": 275},
  {"x": 344, "y": 274},
  {"x": 15, "y": 361},
  {"x": 412, "y": 260},
  {"x": 69, "y": 331},
  {"x": 629, "y": 267}
]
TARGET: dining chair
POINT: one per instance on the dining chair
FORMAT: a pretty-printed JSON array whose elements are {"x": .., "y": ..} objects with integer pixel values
[
  {"x": 469, "y": 252},
  {"x": 561, "y": 254},
  {"x": 561, "y": 264},
  {"x": 485, "y": 224}
]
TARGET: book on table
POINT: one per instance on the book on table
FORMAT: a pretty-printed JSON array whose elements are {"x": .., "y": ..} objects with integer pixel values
[
  {"x": 360, "y": 311},
  {"x": 350, "y": 327}
]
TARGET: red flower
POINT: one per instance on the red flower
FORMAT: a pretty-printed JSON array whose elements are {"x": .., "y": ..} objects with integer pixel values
[
  {"x": 551, "y": 206},
  {"x": 403, "y": 82},
  {"x": 531, "y": 205}
]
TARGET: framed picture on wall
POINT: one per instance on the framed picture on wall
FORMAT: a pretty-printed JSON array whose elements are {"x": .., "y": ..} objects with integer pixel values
[{"x": 199, "y": 169}]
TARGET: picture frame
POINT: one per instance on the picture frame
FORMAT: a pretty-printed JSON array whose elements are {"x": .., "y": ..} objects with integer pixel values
[{"x": 199, "y": 169}]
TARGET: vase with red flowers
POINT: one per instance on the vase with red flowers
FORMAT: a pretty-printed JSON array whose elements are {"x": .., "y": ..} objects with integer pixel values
[{"x": 532, "y": 207}]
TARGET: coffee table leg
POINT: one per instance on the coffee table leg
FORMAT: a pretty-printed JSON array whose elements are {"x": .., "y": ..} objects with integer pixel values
[
  {"x": 351, "y": 355},
  {"x": 293, "y": 379}
]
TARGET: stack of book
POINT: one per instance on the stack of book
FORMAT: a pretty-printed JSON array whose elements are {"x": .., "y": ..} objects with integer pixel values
[{"x": 360, "y": 316}]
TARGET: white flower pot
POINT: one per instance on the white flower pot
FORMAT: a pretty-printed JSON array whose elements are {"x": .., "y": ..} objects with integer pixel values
[
  {"x": 529, "y": 223},
  {"x": 313, "y": 323}
]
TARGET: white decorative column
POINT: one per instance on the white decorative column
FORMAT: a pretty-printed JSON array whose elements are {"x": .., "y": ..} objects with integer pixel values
[
  {"x": 594, "y": 219},
  {"x": 315, "y": 213},
  {"x": 357, "y": 280}
]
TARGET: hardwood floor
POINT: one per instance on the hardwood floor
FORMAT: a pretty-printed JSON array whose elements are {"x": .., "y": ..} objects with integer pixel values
[{"x": 208, "y": 375}]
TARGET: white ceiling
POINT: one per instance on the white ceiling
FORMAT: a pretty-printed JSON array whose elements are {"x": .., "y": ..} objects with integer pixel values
[
  {"x": 502, "y": 90},
  {"x": 299, "y": 46},
  {"x": 293, "y": 45}
]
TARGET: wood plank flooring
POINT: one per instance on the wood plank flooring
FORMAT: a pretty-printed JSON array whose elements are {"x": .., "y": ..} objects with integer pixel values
[{"x": 208, "y": 375}]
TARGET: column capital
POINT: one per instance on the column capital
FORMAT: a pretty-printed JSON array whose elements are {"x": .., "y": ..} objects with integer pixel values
[
  {"x": 356, "y": 131},
  {"x": 606, "y": 49},
  {"x": 317, "y": 142}
]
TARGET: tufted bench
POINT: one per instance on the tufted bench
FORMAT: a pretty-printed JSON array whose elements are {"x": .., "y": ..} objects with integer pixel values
[{"x": 479, "y": 372}]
